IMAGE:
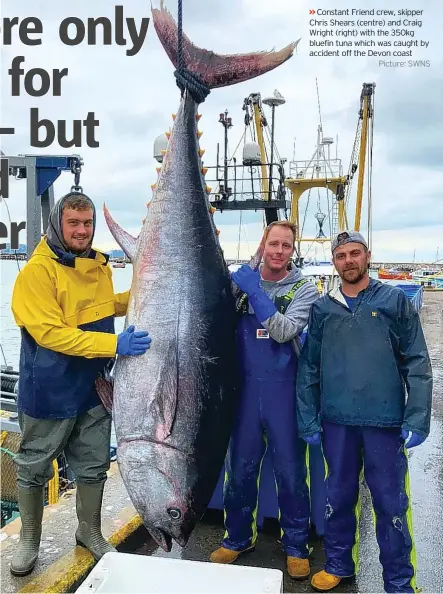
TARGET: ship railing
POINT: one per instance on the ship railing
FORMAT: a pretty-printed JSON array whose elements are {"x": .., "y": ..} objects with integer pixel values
[
  {"x": 315, "y": 169},
  {"x": 244, "y": 187}
]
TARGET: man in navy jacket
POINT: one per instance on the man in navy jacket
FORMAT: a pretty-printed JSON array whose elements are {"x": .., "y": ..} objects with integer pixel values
[{"x": 364, "y": 390}]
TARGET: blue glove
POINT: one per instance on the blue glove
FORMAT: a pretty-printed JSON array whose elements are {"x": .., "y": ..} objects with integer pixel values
[
  {"x": 415, "y": 439},
  {"x": 248, "y": 280},
  {"x": 313, "y": 439},
  {"x": 133, "y": 343}
]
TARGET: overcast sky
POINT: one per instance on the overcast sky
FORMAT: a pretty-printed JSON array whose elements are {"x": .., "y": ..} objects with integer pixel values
[{"x": 134, "y": 97}]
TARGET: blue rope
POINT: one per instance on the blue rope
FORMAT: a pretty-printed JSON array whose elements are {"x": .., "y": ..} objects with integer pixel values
[
  {"x": 180, "y": 35},
  {"x": 185, "y": 78}
]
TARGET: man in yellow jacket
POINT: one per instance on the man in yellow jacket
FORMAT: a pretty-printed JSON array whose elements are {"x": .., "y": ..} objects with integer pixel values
[{"x": 64, "y": 303}]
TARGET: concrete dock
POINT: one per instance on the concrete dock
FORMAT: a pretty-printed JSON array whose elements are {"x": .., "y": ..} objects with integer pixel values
[{"x": 62, "y": 566}]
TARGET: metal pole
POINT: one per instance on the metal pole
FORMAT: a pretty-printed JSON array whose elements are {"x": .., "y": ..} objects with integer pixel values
[
  {"x": 235, "y": 177},
  {"x": 47, "y": 202},
  {"x": 272, "y": 152},
  {"x": 33, "y": 209},
  {"x": 226, "y": 155}
]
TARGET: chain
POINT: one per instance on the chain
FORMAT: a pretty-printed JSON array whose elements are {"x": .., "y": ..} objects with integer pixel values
[{"x": 76, "y": 170}]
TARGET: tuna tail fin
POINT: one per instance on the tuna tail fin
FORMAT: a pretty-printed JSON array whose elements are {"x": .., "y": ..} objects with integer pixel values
[
  {"x": 122, "y": 237},
  {"x": 214, "y": 69}
]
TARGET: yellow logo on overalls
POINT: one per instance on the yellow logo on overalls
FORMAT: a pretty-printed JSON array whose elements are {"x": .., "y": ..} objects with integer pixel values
[{"x": 374, "y": 314}]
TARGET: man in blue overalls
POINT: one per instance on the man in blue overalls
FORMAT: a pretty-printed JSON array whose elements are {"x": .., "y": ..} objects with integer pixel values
[
  {"x": 273, "y": 310},
  {"x": 364, "y": 351}
]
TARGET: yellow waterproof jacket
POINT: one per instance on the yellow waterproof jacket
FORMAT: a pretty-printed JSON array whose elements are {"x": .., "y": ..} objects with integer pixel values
[{"x": 65, "y": 307}]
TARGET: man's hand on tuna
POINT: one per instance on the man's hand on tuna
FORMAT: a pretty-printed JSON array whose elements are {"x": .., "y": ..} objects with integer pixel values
[
  {"x": 130, "y": 342},
  {"x": 246, "y": 279}
]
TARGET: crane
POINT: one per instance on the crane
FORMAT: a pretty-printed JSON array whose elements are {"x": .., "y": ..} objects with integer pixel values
[{"x": 362, "y": 151}]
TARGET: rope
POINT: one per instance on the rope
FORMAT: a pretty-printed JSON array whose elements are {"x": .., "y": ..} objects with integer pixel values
[
  {"x": 180, "y": 35},
  {"x": 3, "y": 353},
  {"x": 6, "y": 451},
  {"x": 187, "y": 80}
]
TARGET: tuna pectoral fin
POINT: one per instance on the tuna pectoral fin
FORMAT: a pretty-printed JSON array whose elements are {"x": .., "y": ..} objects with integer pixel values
[
  {"x": 166, "y": 396},
  {"x": 124, "y": 239},
  {"x": 216, "y": 70}
]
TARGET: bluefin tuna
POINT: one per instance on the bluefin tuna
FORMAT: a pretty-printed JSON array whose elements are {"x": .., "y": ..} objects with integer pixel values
[{"x": 174, "y": 406}]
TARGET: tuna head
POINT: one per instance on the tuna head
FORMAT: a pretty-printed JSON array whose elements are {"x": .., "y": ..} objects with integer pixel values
[{"x": 160, "y": 483}]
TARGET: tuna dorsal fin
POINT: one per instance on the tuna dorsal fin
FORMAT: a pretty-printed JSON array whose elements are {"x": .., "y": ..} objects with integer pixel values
[
  {"x": 166, "y": 396},
  {"x": 122, "y": 237},
  {"x": 216, "y": 70}
]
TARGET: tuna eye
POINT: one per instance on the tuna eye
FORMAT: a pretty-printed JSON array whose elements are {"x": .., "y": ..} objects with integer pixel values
[{"x": 174, "y": 513}]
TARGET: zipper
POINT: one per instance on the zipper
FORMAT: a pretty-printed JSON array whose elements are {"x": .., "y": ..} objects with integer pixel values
[{"x": 362, "y": 294}]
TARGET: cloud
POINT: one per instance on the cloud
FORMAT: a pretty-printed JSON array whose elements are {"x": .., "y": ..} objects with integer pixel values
[{"x": 134, "y": 97}]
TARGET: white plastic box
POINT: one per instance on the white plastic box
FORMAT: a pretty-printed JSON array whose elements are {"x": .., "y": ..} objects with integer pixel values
[{"x": 123, "y": 572}]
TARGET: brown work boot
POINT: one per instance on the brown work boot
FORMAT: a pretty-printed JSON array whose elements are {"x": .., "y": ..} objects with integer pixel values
[
  {"x": 226, "y": 556},
  {"x": 324, "y": 581},
  {"x": 298, "y": 569}
]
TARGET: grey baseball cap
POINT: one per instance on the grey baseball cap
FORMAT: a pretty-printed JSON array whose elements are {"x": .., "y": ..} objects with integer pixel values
[{"x": 348, "y": 237}]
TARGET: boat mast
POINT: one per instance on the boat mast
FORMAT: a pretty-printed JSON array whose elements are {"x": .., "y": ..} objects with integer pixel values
[
  {"x": 366, "y": 113},
  {"x": 273, "y": 102}
]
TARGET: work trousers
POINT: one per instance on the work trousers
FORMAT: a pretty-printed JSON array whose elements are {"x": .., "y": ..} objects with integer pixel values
[
  {"x": 381, "y": 453},
  {"x": 267, "y": 417},
  {"x": 85, "y": 441}
]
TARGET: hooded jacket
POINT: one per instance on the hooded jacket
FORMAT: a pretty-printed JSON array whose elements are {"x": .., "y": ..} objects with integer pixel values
[
  {"x": 367, "y": 367},
  {"x": 288, "y": 326},
  {"x": 65, "y": 306},
  {"x": 293, "y": 297}
]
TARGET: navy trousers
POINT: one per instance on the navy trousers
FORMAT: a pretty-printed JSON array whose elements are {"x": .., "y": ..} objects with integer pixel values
[
  {"x": 267, "y": 416},
  {"x": 381, "y": 453}
]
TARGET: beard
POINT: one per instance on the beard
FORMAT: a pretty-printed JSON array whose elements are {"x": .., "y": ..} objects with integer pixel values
[
  {"x": 354, "y": 275},
  {"x": 82, "y": 251}
]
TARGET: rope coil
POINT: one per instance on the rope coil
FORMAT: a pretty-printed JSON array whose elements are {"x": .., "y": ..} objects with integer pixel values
[
  {"x": 187, "y": 80},
  {"x": 193, "y": 83}
]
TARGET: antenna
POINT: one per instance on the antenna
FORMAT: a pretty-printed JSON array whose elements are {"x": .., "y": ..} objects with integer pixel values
[{"x": 319, "y": 108}]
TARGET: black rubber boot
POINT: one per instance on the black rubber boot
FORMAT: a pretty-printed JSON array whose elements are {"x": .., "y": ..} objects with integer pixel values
[
  {"x": 31, "y": 504},
  {"x": 89, "y": 534}
]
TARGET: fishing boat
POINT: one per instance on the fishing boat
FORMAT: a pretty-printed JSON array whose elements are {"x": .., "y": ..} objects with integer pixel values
[
  {"x": 431, "y": 279},
  {"x": 394, "y": 274}
]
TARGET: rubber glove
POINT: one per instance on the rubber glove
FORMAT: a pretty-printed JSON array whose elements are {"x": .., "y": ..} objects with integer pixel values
[
  {"x": 313, "y": 439},
  {"x": 130, "y": 342},
  {"x": 415, "y": 439},
  {"x": 248, "y": 281}
]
